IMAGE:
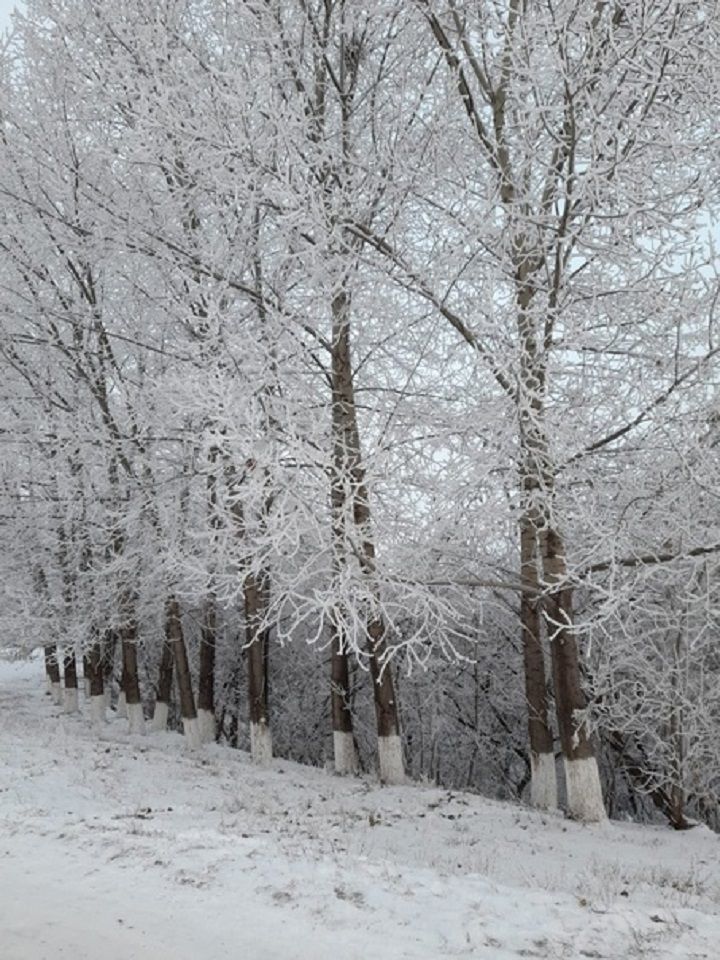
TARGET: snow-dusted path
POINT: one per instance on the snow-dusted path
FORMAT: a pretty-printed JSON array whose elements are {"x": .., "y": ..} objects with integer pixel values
[{"x": 119, "y": 848}]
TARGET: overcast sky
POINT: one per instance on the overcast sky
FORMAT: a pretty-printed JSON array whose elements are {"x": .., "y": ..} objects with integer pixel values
[{"x": 5, "y": 7}]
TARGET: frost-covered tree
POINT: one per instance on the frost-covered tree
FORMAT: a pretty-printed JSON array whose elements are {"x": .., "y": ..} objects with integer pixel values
[{"x": 363, "y": 356}]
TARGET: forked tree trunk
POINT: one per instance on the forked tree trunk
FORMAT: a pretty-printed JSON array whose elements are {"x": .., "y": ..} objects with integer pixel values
[
  {"x": 256, "y": 638},
  {"x": 52, "y": 669},
  {"x": 543, "y": 779},
  {"x": 70, "y": 699},
  {"x": 541, "y": 268},
  {"x": 176, "y": 640},
  {"x": 97, "y": 685},
  {"x": 130, "y": 681},
  {"x": 535, "y": 472},
  {"x": 206, "y": 689},
  {"x": 538, "y": 535},
  {"x": 356, "y": 505},
  {"x": 164, "y": 689},
  {"x": 344, "y": 749},
  {"x": 582, "y": 777}
]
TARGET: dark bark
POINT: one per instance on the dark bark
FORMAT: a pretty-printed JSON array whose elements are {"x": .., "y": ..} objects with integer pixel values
[
  {"x": 165, "y": 675},
  {"x": 95, "y": 668},
  {"x": 536, "y": 480},
  {"x": 256, "y": 639},
  {"x": 70, "y": 670},
  {"x": 176, "y": 640},
  {"x": 339, "y": 668},
  {"x": 52, "y": 667},
  {"x": 569, "y": 694},
  {"x": 540, "y": 734},
  {"x": 208, "y": 637},
  {"x": 386, "y": 713},
  {"x": 130, "y": 679},
  {"x": 109, "y": 648},
  {"x": 355, "y": 507},
  {"x": 640, "y": 775},
  {"x": 340, "y": 693},
  {"x": 256, "y": 590}
]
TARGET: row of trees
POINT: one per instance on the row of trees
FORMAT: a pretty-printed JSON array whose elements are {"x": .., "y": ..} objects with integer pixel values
[{"x": 385, "y": 329}]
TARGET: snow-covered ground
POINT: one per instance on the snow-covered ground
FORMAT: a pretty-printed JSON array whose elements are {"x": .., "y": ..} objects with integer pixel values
[{"x": 130, "y": 848}]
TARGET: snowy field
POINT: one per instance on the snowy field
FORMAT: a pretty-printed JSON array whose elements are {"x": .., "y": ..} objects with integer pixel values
[{"x": 129, "y": 848}]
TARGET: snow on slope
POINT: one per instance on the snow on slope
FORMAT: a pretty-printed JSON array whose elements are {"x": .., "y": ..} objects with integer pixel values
[{"x": 130, "y": 848}]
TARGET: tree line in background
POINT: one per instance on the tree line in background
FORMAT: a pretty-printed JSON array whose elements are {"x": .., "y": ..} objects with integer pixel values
[{"x": 360, "y": 370}]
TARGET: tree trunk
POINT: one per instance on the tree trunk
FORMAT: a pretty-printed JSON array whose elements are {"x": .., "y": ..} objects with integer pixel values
[
  {"x": 70, "y": 702},
  {"x": 97, "y": 686},
  {"x": 130, "y": 681},
  {"x": 87, "y": 671},
  {"x": 582, "y": 778},
  {"x": 108, "y": 664},
  {"x": 52, "y": 669},
  {"x": 543, "y": 779},
  {"x": 640, "y": 774},
  {"x": 121, "y": 708},
  {"x": 536, "y": 484},
  {"x": 390, "y": 755},
  {"x": 176, "y": 640},
  {"x": 164, "y": 689},
  {"x": 206, "y": 690},
  {"x": 677, "y": 738},
  {"x": 256, "y": 638},
  {"x": 356, "y": 507},
  {"x": 344, "y": 750}
]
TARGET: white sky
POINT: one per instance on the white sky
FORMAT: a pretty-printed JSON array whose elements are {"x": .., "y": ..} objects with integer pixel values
[{"x": 6, "y": 7}]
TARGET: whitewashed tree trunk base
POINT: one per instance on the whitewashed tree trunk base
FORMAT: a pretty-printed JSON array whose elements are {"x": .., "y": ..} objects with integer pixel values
[
  {"x": 71, "y": 703},
  {"x": 543, "y": 785},
  {"x": 206, "y": 722},
  {"x": 86, "y": 688},
  {"x": 57, "y": 694},
  {"x": 345, "y": 754},
  {"x": 97, "y": 710},
  {"x": 121, "y": 708},
  {"x": 108, "y": 696},
  {"x": 260, "y": 742},
  {"x": 191, "y": 729},
  {"x": 584, "y": 793},
  {"x": 160, "y": 716},
  {"x": 136, "y": 717},
  {"x": 390, "y": 759}
]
